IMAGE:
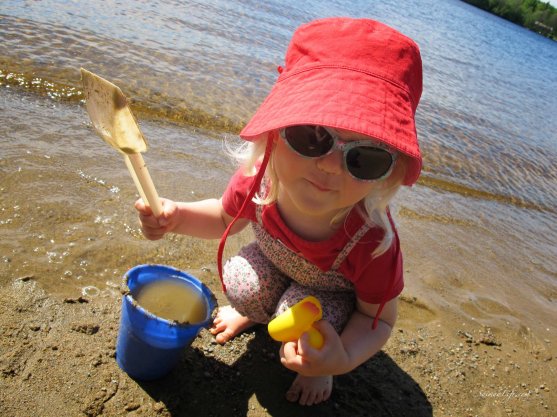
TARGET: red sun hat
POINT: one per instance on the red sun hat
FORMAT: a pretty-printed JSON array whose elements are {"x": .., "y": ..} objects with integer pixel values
[{"x": 354, "y": 74}]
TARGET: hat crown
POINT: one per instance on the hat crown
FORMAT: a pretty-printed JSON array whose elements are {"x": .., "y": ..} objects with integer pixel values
[{"x": 361, "y": 45}]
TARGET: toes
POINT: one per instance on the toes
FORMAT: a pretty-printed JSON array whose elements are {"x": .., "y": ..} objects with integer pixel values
[
  {"x": 228, "y": 324},
  {"x": 223, "y": 336},
  {"x": 309, "y": 391},
  {"x": 293, "y": 394},
  {"x": 320, "y": 397},
  {"x": 308, "y": 397},
  {"x": 314, "y": 398},
  {"x": 219, "y": 324},
  {"x": 217, "y": 327}
]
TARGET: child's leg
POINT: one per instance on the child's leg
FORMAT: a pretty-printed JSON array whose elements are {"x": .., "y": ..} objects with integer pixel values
[
  {"x": 253, "y": 287},
  {"x": 253, "y": 284},
  {"x": 337, "y": 306}
]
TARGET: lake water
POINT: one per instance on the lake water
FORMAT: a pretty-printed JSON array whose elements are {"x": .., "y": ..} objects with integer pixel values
[{"x": 479, "y": 230}]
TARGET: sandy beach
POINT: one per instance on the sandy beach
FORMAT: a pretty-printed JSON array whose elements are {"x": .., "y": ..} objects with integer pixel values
[
  {"x": 475, "y": 334},
  {"x": 57, "y": 358}
]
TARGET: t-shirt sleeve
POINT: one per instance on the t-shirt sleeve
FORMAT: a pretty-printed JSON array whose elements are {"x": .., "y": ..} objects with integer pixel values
[
  {"x": 235, "y": 194},
  {"x": 381, "y": 279}
]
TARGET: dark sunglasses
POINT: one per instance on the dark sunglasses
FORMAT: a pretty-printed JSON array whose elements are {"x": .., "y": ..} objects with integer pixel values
[{"x": 363, "y": 159}]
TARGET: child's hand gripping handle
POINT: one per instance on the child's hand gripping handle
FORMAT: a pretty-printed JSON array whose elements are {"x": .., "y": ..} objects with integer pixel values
[{"x": 297, "y": 320}]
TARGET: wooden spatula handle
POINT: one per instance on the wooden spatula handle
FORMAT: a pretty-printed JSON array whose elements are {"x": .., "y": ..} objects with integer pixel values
[
  {"x": 134, "y": 177},
  {"x": 144, "y": 183}
]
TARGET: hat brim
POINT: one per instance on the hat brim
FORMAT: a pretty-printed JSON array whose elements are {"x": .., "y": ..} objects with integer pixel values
[{"x": 344, "y": 99}]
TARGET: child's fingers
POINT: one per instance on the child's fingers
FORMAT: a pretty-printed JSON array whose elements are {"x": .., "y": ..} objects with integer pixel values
[
  {"x": 142, "y": 208},
  {"x": 325, "y": 328},
  {"x": 305, "y": 349},
  {"x": 149, "y": 231},
  {"x": 154, "y": 228},
  {"x": 289, "y": 355},
  {"x": 167, "y": 207},
  {"x": 145, "y": 212},
  {"x": 148, "y": 221}
]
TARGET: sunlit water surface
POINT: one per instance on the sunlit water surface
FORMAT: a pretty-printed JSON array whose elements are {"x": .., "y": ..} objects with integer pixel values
[{"x": 478, "y": 232}]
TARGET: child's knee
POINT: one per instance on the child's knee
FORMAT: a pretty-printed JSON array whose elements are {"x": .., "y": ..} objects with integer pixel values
[
  {"x": 240, "y": 279},
  {"x": 253, "y": 285},
  {"x": 243, "y": 289},
  {"x": 337, "y": 306}
]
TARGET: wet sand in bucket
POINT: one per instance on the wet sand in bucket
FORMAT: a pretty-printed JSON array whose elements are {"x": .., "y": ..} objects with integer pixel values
[{"x": 172, "y": 300}]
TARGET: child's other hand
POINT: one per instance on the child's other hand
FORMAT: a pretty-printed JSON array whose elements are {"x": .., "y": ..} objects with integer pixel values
[
  {"x": 304, "y": 359},
  {"x": 154, "y": 228}
]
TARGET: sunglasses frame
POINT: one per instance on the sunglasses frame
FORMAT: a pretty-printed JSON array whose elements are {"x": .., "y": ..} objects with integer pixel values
[{"x": 345, "y": 147}]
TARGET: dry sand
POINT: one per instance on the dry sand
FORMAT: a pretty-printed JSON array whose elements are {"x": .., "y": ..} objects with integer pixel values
[{"x": 57, "y": 358}]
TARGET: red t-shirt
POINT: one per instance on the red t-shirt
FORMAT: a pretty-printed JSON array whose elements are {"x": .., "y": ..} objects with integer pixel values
[{"x": 376, "y": 280}]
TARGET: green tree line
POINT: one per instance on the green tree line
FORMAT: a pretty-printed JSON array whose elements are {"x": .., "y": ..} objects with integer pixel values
[{"x": 535, "y": 15}]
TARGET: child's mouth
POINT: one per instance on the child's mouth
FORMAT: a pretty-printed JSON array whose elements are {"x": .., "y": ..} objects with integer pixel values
[{"x": 319, "y": 186}]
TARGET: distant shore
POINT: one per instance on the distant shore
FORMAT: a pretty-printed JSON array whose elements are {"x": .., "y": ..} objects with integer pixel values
[{"x": 535, "y": 15}]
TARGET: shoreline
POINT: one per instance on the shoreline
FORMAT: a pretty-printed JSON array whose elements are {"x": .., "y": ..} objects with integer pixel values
[
  {"x": 58, "y": 359},
  {"x": 521, "y": 16}
]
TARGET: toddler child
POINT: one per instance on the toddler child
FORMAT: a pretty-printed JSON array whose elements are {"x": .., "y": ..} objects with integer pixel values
[{"x": 326, "y": 152}]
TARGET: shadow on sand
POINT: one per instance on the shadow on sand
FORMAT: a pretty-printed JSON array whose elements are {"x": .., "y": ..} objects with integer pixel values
[{"x": 202, "y": 385}]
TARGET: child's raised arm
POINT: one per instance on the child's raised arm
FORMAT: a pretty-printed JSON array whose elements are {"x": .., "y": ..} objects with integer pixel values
[{"x": 204, "y": 219}]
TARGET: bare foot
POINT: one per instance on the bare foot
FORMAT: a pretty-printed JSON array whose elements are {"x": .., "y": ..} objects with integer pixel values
[
  {"x": 228, "y": 324},
  {"x": 307, "y": 390}
]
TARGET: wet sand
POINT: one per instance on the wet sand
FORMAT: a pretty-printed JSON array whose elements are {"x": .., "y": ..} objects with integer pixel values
[{"x": 57, "y": 358}]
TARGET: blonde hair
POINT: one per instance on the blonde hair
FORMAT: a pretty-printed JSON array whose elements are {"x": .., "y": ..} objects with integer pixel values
[{"x": 375, "y": 205}]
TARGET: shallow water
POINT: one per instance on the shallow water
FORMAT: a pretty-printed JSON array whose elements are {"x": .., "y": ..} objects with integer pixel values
[{"x": 478, "y": 231}]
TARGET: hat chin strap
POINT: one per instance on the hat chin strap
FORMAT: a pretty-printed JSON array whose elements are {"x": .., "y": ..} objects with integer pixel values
[{"x": 254, "y": 187}]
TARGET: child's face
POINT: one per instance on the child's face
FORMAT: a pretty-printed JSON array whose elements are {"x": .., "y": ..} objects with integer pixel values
[{"x": 321, "y": 186}]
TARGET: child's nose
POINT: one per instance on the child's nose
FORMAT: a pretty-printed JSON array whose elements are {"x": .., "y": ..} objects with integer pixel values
[{"x": 332, "y": 163}]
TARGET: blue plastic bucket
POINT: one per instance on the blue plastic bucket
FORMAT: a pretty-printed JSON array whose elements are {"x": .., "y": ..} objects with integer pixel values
[{"x": 148, "y": 347}]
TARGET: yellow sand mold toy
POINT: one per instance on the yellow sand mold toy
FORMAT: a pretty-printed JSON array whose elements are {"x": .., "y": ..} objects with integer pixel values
[{"x": 298, "y": 319}]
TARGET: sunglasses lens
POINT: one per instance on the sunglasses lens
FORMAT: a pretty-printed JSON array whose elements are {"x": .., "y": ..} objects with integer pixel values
[
  {"x": 309, "y": 141},
  {"x": 368, "y": 163},
  {"x": 363, "y": 162}
]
